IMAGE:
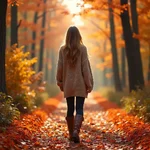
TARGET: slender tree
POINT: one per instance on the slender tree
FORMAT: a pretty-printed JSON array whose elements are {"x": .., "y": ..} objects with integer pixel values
[
  {"x": 123, "y": 66},
  {"x": 117, "y": 81},
  {"x": 14, "y": 24},
  {"x": 53, "y": 65},
  {"x": 35, "y": 19},
  {"x": 133, "y": 54},
  {"x": 34, "y": 39},
  {"x": 3, "y": 9},
  {"x": 34, "y": 36},
  {"x": 25, "y": 15},
  {"x": 135, "y": 29},
  {"x": 42, "y": 40},
  {"x": 46, "y": 64},
  {"x": 148, "y": 75},
  {"x": 134, "y": 19},
  {"x": 105, "y": 82}
]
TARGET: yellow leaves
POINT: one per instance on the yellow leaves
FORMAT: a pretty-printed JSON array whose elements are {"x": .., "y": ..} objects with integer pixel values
[
  {"x": 104, "y": 65},
  {"x": 53, "y": 23},
  {"x": 144, "y": 21},
  {"x": 18, "y": 71},
  {"x": 15, "y": 2},
  {"x": 108, "y": 57},
  {"x": 124, "y": 7},
  {"x": 107, "y": 61},
  {"x": 144, "y": 51}
]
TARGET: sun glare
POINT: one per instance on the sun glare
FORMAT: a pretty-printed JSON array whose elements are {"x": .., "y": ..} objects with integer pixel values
[
  {"x": 73, "y": 8},
  {"x": 77, "y": 21}
]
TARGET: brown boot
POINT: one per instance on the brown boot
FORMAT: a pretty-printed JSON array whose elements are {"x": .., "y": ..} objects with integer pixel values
[
  {"x": 70, "y": 124},
  {"x": 77, "y": 126}
]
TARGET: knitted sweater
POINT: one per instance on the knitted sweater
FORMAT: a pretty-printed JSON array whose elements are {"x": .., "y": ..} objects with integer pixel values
[{"x": 77, "y": 80}]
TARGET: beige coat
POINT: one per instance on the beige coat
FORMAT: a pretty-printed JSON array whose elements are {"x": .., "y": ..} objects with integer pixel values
[{"x": 74, "y": 81}]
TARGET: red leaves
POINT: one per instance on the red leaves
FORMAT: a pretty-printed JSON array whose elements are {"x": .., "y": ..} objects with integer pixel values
[
  {"x": 131, "y": 127},
  {"x": 111, "y": 129},
  {"x": 21, "y": 130},
  {"x": 20, "y": 135},
  {"x": 125, "y": 128}
]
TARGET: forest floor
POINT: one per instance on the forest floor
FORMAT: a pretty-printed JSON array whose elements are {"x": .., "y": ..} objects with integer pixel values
[{"x": 105, "y": 127}]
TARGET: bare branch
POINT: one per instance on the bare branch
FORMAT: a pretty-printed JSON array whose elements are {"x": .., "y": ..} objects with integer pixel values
[
  {"x": 19, "y": 24},
  {"x": 46, "y": 12},
  {"x": 97, "y": 26}
]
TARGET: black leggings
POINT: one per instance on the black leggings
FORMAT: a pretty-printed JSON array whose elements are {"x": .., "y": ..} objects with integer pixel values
[{"x": 79, "y": 105}]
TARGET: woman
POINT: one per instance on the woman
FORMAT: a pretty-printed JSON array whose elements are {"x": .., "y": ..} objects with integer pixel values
[{"x": 74, "y": 77}]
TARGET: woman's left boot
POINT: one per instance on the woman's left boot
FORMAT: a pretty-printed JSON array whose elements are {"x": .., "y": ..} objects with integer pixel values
[
  {"x": 70, "y": 124},
  {"x": 77, "y": 126}
]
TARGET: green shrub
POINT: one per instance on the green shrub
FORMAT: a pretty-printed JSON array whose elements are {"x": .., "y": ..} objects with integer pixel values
[
  {"x": 19, "y": 77},
  {"x": 8, "y": 111},
  {"x": 112, "y": 95},
  {"x": 19, "y": 71},
  {"x": 40, "y": 98},
  {"x": 115, "y": 97},
  {"x": 104, "y": 91},
  {"x": 23, "y": 104},
  {"x": 138, "y": 103},
  {"x": 22, "y": 80},
  {"x": 52, "y": 90}
]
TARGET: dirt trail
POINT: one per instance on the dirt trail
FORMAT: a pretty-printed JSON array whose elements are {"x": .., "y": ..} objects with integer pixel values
[
  {"x": 95, "y": 133},
  {"x": 105, "y": 127}
]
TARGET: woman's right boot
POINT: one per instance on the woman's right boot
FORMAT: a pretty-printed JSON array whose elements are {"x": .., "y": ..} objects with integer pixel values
[
  {"x": 70, "y": 124},
  {"x": 77, "y": 126}
]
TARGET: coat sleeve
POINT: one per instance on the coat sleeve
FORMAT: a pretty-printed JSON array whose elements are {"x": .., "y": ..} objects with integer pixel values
[
  {"x": 86, "y": 70},
  {"x": 59, "y": 73}
]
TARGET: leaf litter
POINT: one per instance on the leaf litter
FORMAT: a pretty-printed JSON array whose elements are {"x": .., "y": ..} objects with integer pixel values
[{"x": 113, "y": 129}]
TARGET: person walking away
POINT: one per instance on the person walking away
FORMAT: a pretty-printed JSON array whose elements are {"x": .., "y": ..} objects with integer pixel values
[{"x": 74, "y": 77}]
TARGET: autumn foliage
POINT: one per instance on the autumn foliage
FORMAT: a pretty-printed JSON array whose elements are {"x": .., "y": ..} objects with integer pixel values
[
  {"x": 123, "y": 128},
  {"x": 8, "y": 111},
  {"x": 138, "y": 103},
  {"x": 18, "y": 77},
  {"x": 41, "y": 26},
  {"x": 24, "y": 130},
  {"x": 110, "y": 128},
  {"x": 18, "y": 71}
]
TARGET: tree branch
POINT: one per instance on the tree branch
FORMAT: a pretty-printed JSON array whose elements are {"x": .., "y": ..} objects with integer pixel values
[
  {"x": 45, "y": 12},
  {"x": 19, "y": 24},
  {"x": 96, "y": 25}
]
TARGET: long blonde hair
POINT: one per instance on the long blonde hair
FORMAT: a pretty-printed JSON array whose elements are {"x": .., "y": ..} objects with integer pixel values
[{"x": 72, "y": 45}]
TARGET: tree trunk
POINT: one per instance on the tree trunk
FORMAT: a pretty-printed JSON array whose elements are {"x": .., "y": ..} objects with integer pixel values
[
  {"x": 46, "y": 65},
  {"x": 34, "y": 36},
  {"x": 3, "y": 10},
  {"x": 117, "y": 81},
  {"x": 53, "y": 66},
  {"x": 135, "y": 27},
  {"x": 148, "y": 77},
  {"x": 104, "y": 71},
  {"x": 34, "y": 39},
  {"x": 14, "y": 25},
  {"x": 25, "y": 30},
  {"x": 123, "y": 67},
  {"x": 133, "y": 55},
  {"x": 42, "y": 41}
]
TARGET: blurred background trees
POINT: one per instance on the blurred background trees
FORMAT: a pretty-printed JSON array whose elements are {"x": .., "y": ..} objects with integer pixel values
[
  {"x": 123, "y": 37},
  {"x": 114, "y": 30}
]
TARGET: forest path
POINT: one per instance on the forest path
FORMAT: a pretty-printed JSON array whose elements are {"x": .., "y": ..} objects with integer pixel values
[
  {"x": 96, "y": 134},
  {"x": 105, "y": 127}
]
